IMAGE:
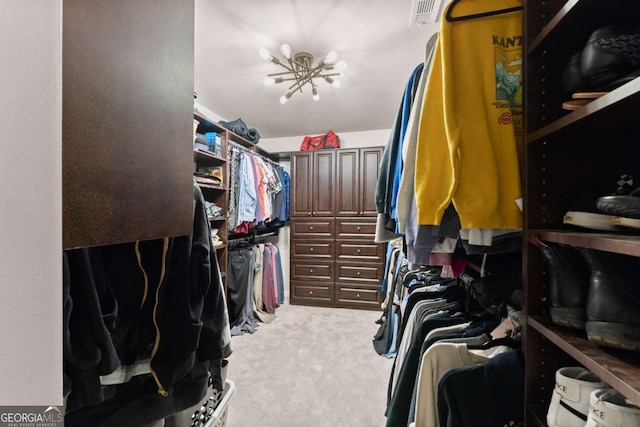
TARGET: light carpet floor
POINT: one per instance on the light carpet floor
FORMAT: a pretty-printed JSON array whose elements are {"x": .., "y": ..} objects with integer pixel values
[{"x": 311, "y": 367}]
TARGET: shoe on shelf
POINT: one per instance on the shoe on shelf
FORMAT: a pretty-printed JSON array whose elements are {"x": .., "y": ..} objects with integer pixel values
[
  {"x": 611, "y": 53},
  {"x": 584, "y": 209},
  {"x": 621, "y": 205},
  {"x": 570, "y": 399},
  {"x": 609, "y": 408},
  {"x": 613, "y": 300},
  {"x": 568, "y": 284}
]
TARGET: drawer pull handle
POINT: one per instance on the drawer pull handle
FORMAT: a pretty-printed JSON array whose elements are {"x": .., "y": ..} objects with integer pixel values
[
  {"x": 311, "y": 228},
  {"x": 357, "y": 295},
  {"x": 358, "y": 251},
  {"x": 310, "y": 249},
  {"x": 358, "y": 273},
  {"x": 308, "y": 213},
  {"x": 311, "y": 271},
  {"x": 359, "y": 228},
  {"x": 310, "y": 292}
]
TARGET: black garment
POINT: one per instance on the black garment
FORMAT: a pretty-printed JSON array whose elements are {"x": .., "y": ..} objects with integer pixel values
[
  {"x": 398, "y": 408},
  {"x": 240, "y": 291},
  {"x": 239, "y": 127},
  {"x": 476, "y": 328},
  {"x": 490, "y": 395},
  {"x": 159, "y": 300}
]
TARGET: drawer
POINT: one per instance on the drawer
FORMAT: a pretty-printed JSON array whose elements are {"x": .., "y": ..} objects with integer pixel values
[
  {"x": 314, "y": 294},
  {"x": 360, "y": 250},
  {"x": 315, "y": 249},
  {"x": 312, "y": 270},
  {"x": 315, "y": 228},
  {"x": 365, "y": 229},
  {"x": 359, "y": 272},
  {"x": 354, "y": 296}
]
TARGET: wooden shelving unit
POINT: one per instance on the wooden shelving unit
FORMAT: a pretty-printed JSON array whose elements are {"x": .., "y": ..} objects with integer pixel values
[
  {"x": 220, "y": 194},
  {"x": 566, "y": 151}
]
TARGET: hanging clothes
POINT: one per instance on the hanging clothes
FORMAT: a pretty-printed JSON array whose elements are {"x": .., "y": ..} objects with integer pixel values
[{"x": 471, "y": 121}]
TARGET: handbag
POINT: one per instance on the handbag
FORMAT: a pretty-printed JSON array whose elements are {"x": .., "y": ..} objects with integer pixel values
[{"x": 319, "y": 142}]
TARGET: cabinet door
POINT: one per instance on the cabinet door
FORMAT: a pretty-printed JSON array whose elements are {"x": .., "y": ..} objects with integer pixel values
[
  {"x": 301, "y": 174},
  {"x": 370, "y": 159},
  {"x": 127, "y": 120},
  {"x": 348, "y": 182},
  {"x": 323, "y": 183}
]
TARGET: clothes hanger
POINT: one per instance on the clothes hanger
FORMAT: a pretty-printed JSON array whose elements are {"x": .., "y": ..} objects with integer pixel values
[{"x": 451, "y": 18}]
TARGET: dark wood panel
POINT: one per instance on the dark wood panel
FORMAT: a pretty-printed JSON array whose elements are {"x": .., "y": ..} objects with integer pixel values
[
  {"x": 359, "y": 272},
  {"x": 617, "y": 243},
  {"x": 370, "y": 159},
  {"x": 356, "y": 228},
  {"x": 354, "y": 296},
  {"x": 306, "y": 294},
  {"x": 312, "y": 270},
  {"x": 301, "y": 189},
  {"x": 317, "y": 228},
  {"x": 536, "y": 415},
  {"x": 315, "y": 249},
  {"x": 356, "y": 250},
  {"x": 127, "y": 128},
  {"x": 323, "y": 183},
  {"x": 348, "y": 179},
  {"x": 619, "y": 369}
]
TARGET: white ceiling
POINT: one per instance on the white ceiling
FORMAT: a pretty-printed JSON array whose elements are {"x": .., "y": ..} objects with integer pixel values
[{"x": 372, "y": 36}]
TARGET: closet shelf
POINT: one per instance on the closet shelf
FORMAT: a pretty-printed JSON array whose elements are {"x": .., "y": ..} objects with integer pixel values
[
  {"x": 575, "y": 20},
  {"x": 207, "y": 156},
  {"x": 207, "y": 125},
  {"x": 537, "y": 414},
  {"x": 618, "y": 368},
  {"x": 211, "y": 187},
  {"x": 618, "y": 243},
  {"x": 612, "y": 110}
]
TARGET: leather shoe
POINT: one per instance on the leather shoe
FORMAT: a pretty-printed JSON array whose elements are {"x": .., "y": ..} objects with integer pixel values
[
  {"x": 613, "y": 300},
  {"x": 568, "y": 284}
]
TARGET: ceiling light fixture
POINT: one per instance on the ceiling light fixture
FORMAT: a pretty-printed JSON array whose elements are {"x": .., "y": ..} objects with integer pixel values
[{"x": 301, "y": 71}]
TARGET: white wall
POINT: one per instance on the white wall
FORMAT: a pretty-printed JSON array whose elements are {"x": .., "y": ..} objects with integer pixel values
[
  {"x": 371, "y": 138},
  {"x": 31, "y": 192}
]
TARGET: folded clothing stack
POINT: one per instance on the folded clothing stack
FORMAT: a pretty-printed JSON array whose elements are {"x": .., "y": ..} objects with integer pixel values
[{"x": 239, "y": 127}]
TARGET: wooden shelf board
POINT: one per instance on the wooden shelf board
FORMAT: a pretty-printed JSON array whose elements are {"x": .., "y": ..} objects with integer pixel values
[
  {"x": 616, "y": 243},
  {"x": 618, "y": 368},
  {"x": 211, "y": 187},
  {"x": 566, "y": 10},
  {"x": 212, "y": 219},
  {"x": 207, "y": 156},
  {"x": 608, "y": 105},
  {"x": 208, "y": 125}
]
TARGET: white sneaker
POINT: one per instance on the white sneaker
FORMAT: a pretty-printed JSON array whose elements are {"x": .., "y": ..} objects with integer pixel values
[
  {"x": 570, "y": 400},
  {"x": 611, "y": 409}
]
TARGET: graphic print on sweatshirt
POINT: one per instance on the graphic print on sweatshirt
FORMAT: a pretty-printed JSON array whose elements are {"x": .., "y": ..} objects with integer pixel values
[{"x": 508, "y": 60}]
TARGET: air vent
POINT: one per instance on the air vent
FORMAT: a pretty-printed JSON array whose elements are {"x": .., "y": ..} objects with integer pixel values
[{"x": 425, "y": 12}]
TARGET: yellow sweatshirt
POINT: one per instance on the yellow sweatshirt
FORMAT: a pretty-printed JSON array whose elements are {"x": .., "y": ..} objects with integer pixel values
[{"x": 471, "y": 120}]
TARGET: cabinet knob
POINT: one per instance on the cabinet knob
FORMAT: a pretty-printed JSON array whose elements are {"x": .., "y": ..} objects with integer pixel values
[
  {"x": 311, "y": 228},
  {"x": 358, "y": 273},
  {"x": 311, "y": 271},
  {"x": 358, "y": 228},
  {"x": 310, "y": 292},
  {"x": 314, "y": 213},
  {"x": 357, "y": 295},
  {"x": 358, "y": 251},
  {"x": 308, "y": 213},
  {"x": 310, "y": 249}
]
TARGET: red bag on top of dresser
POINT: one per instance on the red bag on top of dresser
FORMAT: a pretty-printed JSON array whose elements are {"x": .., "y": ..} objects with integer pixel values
[{"x": 328, "y": 140}]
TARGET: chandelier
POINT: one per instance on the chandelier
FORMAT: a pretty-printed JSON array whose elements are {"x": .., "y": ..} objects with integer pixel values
[{"x": 301, "y": 71}]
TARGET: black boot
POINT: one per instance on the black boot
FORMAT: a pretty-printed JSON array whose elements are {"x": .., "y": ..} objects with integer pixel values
[
  {"x": 613, "y": 302},
  {"x": 568, "y": 285}
]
